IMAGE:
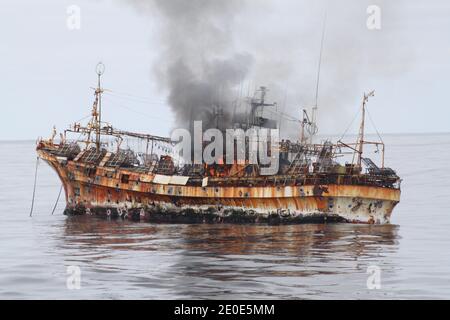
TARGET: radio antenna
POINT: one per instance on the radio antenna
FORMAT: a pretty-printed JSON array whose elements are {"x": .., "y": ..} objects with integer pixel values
[{"x": 314, "y": 110}]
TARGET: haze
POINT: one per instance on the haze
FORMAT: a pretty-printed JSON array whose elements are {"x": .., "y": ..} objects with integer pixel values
[{"x": 47, "y": 69}]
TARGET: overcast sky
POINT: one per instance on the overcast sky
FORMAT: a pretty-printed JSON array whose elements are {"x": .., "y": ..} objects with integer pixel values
[{"x": 47, "y": 69}]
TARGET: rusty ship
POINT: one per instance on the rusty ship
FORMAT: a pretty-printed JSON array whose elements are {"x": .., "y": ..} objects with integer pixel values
[{"x": 100, "y": 177}]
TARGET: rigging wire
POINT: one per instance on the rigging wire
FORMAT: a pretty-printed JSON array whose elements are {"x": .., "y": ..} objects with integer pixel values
[
  {"x": 320, "y": 58},
  {"x": 285, "y": 115},
  {"x": 78, "y": 121},
  {"x": 34, "y": 187},
  {"x": 283, "y": 106},
  {"x": 133, "y": 97},
  {"x": 281, "y": 114},
  {"x": 114, "y": 103},
  {"x": 351, "y": 123},
  {"x": 84, "y": 118},
  {"x": 57, "y": 199},
  {"x": 373, "y": 124}
]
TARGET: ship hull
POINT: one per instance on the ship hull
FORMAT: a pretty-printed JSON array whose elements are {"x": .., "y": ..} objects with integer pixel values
[
  {"x": 141, "y": 199},
  {"x": 344, "y": 204}
]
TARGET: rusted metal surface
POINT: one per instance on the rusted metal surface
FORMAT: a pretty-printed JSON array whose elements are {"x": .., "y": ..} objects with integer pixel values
[
  {"x": 102, "y": 190},
  {"x": 309, "y": 182}
]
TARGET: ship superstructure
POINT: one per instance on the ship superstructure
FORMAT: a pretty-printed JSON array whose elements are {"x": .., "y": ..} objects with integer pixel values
[{"x": 99, "y": 176}]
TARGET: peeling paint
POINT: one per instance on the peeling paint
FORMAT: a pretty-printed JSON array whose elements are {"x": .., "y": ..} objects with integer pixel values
[{"x": 104, "y": 191}]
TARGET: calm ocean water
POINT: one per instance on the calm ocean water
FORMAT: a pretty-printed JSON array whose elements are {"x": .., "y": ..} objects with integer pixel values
[{"x": 128, "y": 260}]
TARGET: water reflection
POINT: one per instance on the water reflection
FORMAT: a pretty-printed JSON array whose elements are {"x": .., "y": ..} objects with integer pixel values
[
  {"x": 228, "y": 239},
  {"x": 229, "y": 261}
]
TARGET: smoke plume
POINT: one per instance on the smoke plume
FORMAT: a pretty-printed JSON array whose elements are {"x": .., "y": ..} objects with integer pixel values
[
  {"x": 198, "y": 62},
  {"x": 212, "y": 53}
]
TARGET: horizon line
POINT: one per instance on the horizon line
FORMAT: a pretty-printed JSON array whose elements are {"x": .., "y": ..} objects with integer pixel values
[{"x": 318, "y": 135}]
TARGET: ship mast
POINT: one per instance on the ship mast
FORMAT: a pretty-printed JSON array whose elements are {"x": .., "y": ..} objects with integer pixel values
[
  {"x": 305, "y": 122},
  {"x": 100, "y": 69},
  {"x": 255, "y": 103},
  {"x": 360, "y": 141},
  {"x": 314, "y": 109}
]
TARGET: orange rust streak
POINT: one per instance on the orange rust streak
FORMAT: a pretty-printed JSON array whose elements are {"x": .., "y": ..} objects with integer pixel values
[{"x": 104, "y": 188}]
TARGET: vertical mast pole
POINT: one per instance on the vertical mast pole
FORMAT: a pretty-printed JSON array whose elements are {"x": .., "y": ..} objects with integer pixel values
[
  {"x": 361, "y": 128},
  {"x": 361, "y": 132},
  {"x": 320, "y": 64},
  {"x": 302, "y": 132},
  {"x": 314, "y": 109},
  {"x": 99, "y": 118},
  {"x": 100, "y": 69}
]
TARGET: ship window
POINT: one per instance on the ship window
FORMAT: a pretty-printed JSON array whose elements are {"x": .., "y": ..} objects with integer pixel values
[
  {"x": 89, "y": 171},
  {"x": 109, "y": 174},
  {"x": 125, "y": 178}
]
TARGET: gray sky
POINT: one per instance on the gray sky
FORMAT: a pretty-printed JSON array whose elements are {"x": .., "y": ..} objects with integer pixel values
[{"x": 47, "y": 70}]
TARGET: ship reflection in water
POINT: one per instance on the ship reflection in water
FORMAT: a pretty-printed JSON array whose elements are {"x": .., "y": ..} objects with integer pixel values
[{"x": 229, "y": 261}]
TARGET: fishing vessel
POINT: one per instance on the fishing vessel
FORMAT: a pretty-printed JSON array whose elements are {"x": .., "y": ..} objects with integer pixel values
[{"x": 313, "y": 182}]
